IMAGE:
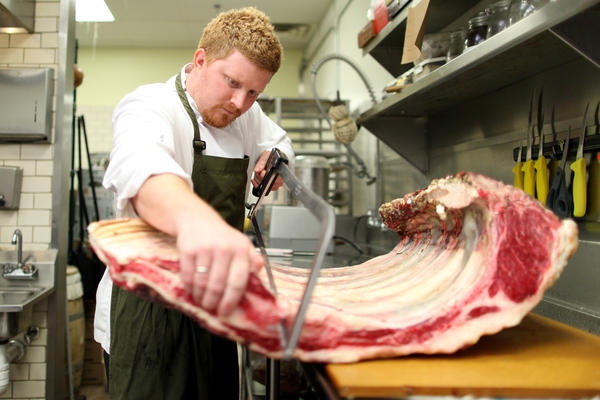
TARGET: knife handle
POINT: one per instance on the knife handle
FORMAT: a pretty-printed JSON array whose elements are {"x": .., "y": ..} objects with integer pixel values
[
  {"x": 579, "y": 187},
  {"x": 541, "y": 179},
  {"x": 593, "y": 193},
  {"x": 529, "y": 178},
  {"x": 518, "y": 172}
]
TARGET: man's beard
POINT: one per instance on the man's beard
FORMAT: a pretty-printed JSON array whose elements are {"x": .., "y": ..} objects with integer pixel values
[{"x": 218, "y": 118}]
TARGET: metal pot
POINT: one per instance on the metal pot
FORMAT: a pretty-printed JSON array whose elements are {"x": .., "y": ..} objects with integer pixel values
[{"x": 313, "y": 171}]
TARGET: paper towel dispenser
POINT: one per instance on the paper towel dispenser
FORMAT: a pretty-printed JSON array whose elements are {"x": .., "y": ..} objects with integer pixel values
[
  {"x": 26, "y": 104},
  {"x": 11, "y": 180}
]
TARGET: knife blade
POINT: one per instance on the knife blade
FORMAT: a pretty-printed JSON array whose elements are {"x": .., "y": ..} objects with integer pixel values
[
  {"x": 541, "y": 165},
  {"x": 555, "y": 160},
  {"x": 277, "y": 166},
  {"x": 261, "y": 191},
  {"x": 579, "y": 168},
  {"x": 263, "y": 252},
  {"x": 518, "y": 169},
  {"x": 325, "y": 214},
  {"x": 528, "y": 169}
]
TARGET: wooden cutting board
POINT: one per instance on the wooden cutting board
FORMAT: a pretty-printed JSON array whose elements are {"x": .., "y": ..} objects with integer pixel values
[{"x": 538, "y": 358}]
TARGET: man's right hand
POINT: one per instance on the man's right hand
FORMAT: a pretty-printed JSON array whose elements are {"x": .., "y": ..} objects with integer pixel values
[{"x": 215, "y": 258}]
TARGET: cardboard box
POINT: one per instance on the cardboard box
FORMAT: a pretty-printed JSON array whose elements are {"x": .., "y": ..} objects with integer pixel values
[{"x": 366, "y": 34}]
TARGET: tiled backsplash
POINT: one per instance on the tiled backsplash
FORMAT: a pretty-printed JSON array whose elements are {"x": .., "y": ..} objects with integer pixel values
[{"x": 38, "y": 49}]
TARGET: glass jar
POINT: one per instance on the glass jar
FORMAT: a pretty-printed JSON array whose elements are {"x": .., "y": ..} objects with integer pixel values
[
  {"x": 477, "y": 28},
  {"x": 520, "y": 9},
  {"x": 456, "y": 44},
  {"x": 498, "y": 17}
]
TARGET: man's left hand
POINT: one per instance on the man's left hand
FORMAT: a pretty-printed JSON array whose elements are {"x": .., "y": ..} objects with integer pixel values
[{"x": 260, "y": 171}]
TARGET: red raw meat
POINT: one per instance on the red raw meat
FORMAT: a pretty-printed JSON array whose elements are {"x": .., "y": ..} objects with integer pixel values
[{"x": 474, "y": 257}]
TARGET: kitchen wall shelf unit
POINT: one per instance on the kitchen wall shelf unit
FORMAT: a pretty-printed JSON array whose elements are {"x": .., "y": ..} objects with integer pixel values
[
  {"x": 312, "y": 136},
  {"x": 557, "y": 33},
  {"x": 471, "y": 114}
]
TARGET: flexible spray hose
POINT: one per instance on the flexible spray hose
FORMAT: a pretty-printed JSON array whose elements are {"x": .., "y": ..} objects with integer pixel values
[
  {"x": 340, "y": 57},
  {"x": 362, "y": 171}
]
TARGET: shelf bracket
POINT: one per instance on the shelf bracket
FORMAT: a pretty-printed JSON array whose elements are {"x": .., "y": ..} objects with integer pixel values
[
  {"x": 405, "y": 135},
  {"x": 578, "y": 33}
]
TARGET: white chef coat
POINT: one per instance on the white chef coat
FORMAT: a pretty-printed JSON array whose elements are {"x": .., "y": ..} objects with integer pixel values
[{"x": 152, "y": 134}]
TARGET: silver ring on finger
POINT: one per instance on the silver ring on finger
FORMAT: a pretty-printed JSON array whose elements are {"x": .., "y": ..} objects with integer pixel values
[{"x": 201, "y": 269}]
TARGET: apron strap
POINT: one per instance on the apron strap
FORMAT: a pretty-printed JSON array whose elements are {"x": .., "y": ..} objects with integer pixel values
[{"x": 199, "y": 144}]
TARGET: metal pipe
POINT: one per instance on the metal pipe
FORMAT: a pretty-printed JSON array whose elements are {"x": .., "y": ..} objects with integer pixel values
[
  {"x": 9, "y": 352},
  {"x": 18, "y": 240}
]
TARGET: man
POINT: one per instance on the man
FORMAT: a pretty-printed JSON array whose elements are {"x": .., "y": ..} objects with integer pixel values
[{"x": 183, "y": 152}]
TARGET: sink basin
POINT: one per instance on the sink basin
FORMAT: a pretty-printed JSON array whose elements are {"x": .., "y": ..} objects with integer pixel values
[
  {"x": 16, "y": 308},
  {"x": 13, "y": 323},
  {"x": 14, "y": 298}
]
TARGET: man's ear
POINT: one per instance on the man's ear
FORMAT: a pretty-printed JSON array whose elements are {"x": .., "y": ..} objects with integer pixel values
[{"x": 199, "y": 57}]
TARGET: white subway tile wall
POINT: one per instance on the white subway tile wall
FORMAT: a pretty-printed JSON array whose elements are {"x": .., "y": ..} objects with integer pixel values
[
  {"x": 38, "y": 49},
  {"x": 98, "y": 125}
]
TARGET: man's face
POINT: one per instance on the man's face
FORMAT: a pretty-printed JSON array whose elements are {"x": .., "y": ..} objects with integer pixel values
[{"x": 225, "y": 88}]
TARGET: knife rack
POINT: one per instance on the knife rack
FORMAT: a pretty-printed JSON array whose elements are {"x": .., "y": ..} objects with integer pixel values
[{"x": 553, "y": 149}]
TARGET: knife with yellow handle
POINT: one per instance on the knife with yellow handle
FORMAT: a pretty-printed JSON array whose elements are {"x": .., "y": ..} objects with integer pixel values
[
  {"x": 529, "y": 174},
  {"x": 592, "y": 212},
  {"x": 518, "y": 170},
  {"x": 541, "y": 165},
  {"x": 528, "y": 168},
  {"x": 579, "y": 178},
  {"x": 541, "y": 174}
]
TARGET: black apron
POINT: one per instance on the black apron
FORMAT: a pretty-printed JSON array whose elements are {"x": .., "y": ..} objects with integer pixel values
[{"x": 157, "y": 352}]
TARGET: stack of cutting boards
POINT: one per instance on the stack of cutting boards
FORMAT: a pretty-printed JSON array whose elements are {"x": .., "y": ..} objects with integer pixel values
[{"x": 538, "y": 358}]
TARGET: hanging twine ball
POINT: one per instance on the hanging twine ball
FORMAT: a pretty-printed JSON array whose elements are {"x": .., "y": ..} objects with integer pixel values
[
  {"x": 345, "y": 130},
  {"x": 338, "y": 112}
]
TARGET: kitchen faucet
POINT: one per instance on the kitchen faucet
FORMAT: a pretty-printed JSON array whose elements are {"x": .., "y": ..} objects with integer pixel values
[
  {"x": 20, "y": 270},
  {"x": 18, "y": 240}
]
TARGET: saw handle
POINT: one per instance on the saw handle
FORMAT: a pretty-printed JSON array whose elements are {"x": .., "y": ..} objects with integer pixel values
[{"x": 275, "y": 159}]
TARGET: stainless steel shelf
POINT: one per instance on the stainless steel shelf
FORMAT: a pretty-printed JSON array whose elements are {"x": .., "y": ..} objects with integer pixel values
[
  {"x": 522, "y": 50},
  {"x": 291, "y": 107},
  {"x": 547, "y": 39},
  {"x": 388, "y": 45}
]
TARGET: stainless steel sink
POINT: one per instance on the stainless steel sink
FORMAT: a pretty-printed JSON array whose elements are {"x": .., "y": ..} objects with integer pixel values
[
  {"x": 17, "y": 297},
  {"x": 13, "y": 323}
]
